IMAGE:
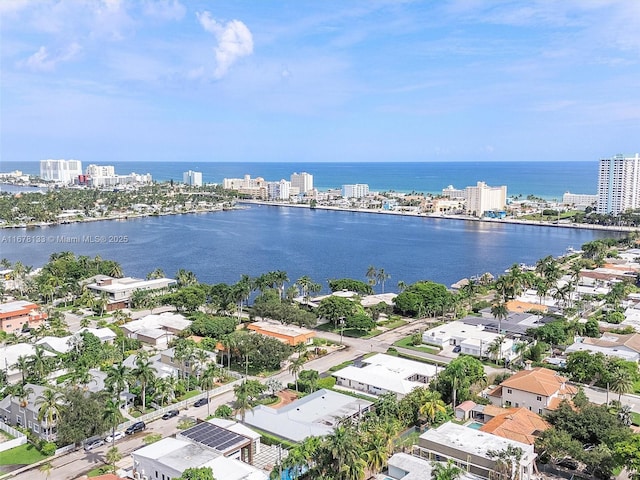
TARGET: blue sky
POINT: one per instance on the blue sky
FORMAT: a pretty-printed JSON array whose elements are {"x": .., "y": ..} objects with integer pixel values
[{"x": 178, "y": 80}]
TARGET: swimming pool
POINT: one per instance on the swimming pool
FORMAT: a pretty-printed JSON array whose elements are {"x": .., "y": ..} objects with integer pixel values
[{"x": 475, "y": 425}]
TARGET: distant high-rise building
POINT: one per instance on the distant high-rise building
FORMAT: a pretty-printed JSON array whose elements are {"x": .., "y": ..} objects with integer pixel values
[
  {"x": 356, "y": 190},
  {"x": 101, "y": 170},
  {"x": 483, "y": 198},
  {"x": 60, "y": 171},
  {"x": 192, "y": 178},
  {"x": 302, "y": 181},
  {"x": 279, "y": 190},
  {"x": 619, "y": 184}
]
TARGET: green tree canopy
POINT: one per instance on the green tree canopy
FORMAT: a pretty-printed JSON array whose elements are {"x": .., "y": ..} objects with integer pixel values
[
  {"x": 423, "y": 297},
  {"x": 202, "y": 473},
  {"x": 351, "y": 285}
]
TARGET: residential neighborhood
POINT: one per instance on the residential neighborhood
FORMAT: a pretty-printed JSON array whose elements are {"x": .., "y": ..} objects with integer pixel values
[{"x": 152, "y": 378}]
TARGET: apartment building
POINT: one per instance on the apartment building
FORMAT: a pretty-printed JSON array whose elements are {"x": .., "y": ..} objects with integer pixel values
[{"x": 619, "y": 184}]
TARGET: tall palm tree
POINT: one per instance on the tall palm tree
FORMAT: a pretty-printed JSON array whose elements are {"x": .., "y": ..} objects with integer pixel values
[
  {"x": 242, "y": 401},
  {"x": 376, "y": 453},
  {"x": 499, "y": 310},
  {"x": 372, "y": 274},
  {"x": 296, "y": 366},
  {"x": 117, "y": 380},
  {"x": 111, "y": 414},
  {"x": 22, "y": 364},
  {"x": 50, "y": 408},
  {"x": 145, "y": 374},
  {"x": 382, "y": 277},
  {"x": 208, "y": 381}
]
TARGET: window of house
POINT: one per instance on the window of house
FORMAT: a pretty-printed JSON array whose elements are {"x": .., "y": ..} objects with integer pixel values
[
  {"x": 509, "y": 390},
  {"x": 29, "y": 424},
  {"x": 36, "y": 428}
]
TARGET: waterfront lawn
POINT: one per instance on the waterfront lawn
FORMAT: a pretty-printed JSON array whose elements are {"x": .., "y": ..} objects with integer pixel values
[
  {"x": 23, "y": 455},
  {"x": 407, "y": 342}
]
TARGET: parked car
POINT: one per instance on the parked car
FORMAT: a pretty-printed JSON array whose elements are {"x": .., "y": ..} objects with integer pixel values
[
  {"x": 136, "y": 427},
  {"x": 569, "y": 463},
  {"x": 457, "y": 349},
  {"x": 200, "y": 402},
  {"x": 116, "y": 436},
  {"x": 91, "y": 444},
  {"x": 170, "y": 414}
]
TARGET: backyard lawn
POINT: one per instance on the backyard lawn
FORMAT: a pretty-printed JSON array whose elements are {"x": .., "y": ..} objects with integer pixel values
[{"x": 22, "y": 455}]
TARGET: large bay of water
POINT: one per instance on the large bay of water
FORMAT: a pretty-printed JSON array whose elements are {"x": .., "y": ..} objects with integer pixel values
[{"x": 219, "y": 247}]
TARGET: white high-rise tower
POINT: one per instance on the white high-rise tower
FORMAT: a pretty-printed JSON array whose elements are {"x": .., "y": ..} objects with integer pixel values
[{"x": 619, "y": 184}]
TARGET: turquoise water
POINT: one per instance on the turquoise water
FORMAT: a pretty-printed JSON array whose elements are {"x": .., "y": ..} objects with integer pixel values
[
  {"x": 543, "y": 179},
  {"x": 475, "y": 425}
]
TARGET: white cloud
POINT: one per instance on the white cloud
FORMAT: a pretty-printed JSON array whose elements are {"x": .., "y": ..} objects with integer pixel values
[
  {"x": 43, "y": 61},
  {"x": 164, "y": 9},
  {"x": 234, "y": 41}
]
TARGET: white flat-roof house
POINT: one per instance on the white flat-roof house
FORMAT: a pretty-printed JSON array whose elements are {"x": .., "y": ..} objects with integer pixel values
[
  {"x": 403, "y": 466},
  {"x": 315, "y": 415},
  {"x": 65, "y": 344},
  {"x": 170, "y": 457},
  {"x": 156, "y": 329},
  {"x": 9, "y": 355},
  {"x": 473, "y": 339},
  {"x": 472, "y": 449},
  {"x": 120, "y": 290},
  {"x": 385, "y": 373}
]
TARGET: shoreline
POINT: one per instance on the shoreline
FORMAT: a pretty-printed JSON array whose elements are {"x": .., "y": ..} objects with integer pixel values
[
  {"x": 513, "y": 221},
  {"x": 239, "y": 203}
]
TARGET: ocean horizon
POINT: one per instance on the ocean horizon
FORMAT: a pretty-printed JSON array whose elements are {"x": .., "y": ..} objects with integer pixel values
[{"x": 549, "y": 180}]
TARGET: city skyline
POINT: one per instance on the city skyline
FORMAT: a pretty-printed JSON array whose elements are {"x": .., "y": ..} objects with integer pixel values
[{"x": 109, "y": 81}]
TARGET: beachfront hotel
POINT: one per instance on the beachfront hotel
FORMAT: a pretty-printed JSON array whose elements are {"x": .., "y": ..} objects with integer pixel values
[
  {"x": 619, "y": 184},
  {"x": 483, "y": 198},
  {"x": 357, "y": 190},
  {"x": 60, "y": 171}
]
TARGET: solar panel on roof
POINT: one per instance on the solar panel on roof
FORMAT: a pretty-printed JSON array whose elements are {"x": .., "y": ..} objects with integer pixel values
[{"x": 214, "y": 436}]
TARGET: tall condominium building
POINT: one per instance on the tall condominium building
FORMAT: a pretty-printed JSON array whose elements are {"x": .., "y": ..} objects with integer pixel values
[
  {"x": 357, "y": 190},
  {"x": 482, "y": 198},
  {"x": 60, "y": 171},
  {"x": 101, "y": 170},
  {"x": 192, "y": 178},
  {"x": 302, "y": 181},
  {"x": 619, "y": 184},
  {"x": 279, "y": 190}
]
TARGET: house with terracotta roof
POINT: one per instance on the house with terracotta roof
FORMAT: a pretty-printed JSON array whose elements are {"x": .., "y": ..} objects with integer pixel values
[
  {"x": 14, "y": 316},
  {"x": 537, "y": 389},
  {"x": 289, "y": 334},
  {"x": 519, "y": 424}
]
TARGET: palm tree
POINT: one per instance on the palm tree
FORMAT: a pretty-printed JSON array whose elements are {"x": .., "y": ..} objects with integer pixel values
[
  {"x": 157, "y": 273},
  {"x": 372, "y": 274},
  {"x": 186, "y": 278},
  {"x": 46, "y": 469},
  {"x": 38, "y": 363},
  {"x": 499, "y": 310},
  {"x": 117, "y": 380},
  {"x": 445, "y": 471},
  {"x": 621, "y": 382},
  {"x": 495, "y": 348},
  {"x": 382, "y": 277},
  {"x": 145, "y": 374},
  {"x": 50, "y": 408},
  {"x": 402, "y": 285},
  {"x": 280, "y": 278},
  {"x": 111, "y": 414},
  {"x": 113, "y": 456},
  {"x": 296, "y": 366},
  {"x": 208, "y": 381},
  {"x": 432, "y": 404},
  {"x": 243, "y": 401},
  {"x": 22, "y": 364}
]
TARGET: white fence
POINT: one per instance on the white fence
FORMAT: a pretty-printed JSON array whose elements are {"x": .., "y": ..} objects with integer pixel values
[
  {"x": 19, "y": 437},
  {"x": 180, "y": 405}
]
